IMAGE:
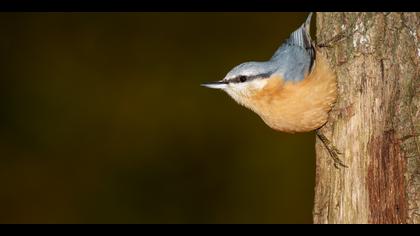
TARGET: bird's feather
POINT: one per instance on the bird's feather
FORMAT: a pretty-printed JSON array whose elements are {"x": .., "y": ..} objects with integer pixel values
[{"x": 296, "y": 55}]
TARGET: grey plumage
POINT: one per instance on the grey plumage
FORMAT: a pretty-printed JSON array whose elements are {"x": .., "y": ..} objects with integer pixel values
[
  {"x": 296, "y": 55},
  {"x": 302, "y": 36},
  {"x": 292, "y": 60}
]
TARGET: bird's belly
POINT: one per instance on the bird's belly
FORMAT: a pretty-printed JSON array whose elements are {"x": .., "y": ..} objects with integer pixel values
[
  {"x": 302, "y": 118},
  {"x": 297, "y": 107}
]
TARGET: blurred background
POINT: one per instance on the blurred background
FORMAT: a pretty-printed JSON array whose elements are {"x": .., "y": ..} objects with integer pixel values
[{"x": 103, "y": 120}]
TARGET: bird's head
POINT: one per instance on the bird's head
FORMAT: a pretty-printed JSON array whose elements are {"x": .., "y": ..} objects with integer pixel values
[{"x": 245, "y": 80}]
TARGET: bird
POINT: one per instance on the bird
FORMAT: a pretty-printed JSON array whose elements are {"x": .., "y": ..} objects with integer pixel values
[{"x": 292, "y": 92}]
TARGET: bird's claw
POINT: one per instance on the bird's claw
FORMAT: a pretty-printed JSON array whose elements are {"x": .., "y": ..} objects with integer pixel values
[
  {"x": 337, "y": 161},
  {"x": 332, "y": 150}
]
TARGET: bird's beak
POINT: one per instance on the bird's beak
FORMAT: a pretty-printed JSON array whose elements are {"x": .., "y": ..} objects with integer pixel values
[{"x": 216, "y": 85}]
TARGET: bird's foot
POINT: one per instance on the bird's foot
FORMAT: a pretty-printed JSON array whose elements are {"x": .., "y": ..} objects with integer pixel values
[
  {"x": 344, "y": 34},
  {"x": 330, "y": 42},
  {"x": 332, "y": 150}
]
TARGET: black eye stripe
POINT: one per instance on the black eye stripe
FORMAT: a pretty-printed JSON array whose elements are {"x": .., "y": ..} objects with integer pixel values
[{"x": 244, "y": 78}]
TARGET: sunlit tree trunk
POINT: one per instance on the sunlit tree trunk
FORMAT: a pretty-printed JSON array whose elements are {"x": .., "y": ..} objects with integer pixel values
[{"x": 375, "y": 122}]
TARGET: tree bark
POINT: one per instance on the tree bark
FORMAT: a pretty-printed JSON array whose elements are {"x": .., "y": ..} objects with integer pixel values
[{"x": 375, "y": 122}]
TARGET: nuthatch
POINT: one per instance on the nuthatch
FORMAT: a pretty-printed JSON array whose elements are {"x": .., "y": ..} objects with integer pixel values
[{"x": 292, "y": 92}]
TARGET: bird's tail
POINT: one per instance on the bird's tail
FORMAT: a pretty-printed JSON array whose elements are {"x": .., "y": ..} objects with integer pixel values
[{"x": 302, "y": 36}]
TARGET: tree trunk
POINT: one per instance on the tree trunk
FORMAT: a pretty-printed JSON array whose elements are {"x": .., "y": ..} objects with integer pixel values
[{"x": 375, "y": 122}]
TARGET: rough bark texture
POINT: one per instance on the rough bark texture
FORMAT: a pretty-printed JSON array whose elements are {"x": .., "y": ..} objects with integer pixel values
[{"x": 375, "y": 122}]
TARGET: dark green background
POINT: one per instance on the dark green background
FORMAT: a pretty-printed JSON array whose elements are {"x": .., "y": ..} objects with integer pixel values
[{"x": 102, "y": 120}]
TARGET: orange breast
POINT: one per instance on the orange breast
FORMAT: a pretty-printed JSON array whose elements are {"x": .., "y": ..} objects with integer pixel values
[{"x": 297, "y": 106}]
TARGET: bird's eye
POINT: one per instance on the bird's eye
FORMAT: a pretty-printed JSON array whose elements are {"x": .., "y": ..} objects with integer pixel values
[{"x": 242, "y": 78}]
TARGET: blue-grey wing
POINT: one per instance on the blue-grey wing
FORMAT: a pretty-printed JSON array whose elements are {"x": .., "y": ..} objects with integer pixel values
[{"x": 296, "y": 55}]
